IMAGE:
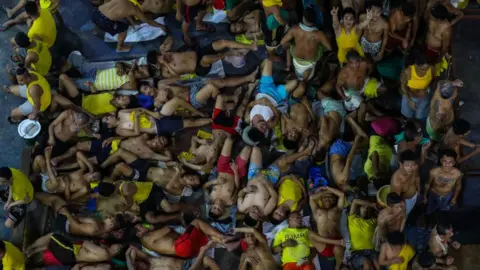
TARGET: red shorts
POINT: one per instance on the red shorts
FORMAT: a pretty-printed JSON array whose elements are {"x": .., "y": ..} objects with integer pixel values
[
  {"x": 328, "y": 250},
  {"x": 223, "y": 165},
  {"x": 432, "y": 55},
  {"x": 393, "y": 43},
  {"x": 229, "y": 129},
  {"x": 49, "y": 259},
  {"x": 294, "y": 266},
  {"x": 189, "y": 243}
]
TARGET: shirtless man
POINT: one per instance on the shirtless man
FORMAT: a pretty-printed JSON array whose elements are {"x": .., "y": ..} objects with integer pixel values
[
  {"x": 455, "y": 12},
  {"x": 109, "y": 18},
  {"x": 174, "y": 64},
  {"x": 62, "y": 250},
  {"x": 442, "y": 109},
  {"x": 133, "y": 122},
  {"x": 413, "y": 140},
  {"x": 439, "y": 33},
  {"x": 353, "y": 80},
  {"x": 375, "y": 31},
  {"x": 306, "y": 45},
  {"x": 258, "y": 198},
  {"x": 440, "y": 240},
  {"x": 327, "y": 217},
  {"x": 406, "y": 180},
  {"x": 395, "y": 252},
  {"x": 390, "y": 219},
  {"x": 455, "y": 138},
  {"x": 249, "y": 25},
  {"x": 165, "y": 241},
  {"x": 227, "y": 184},
  {"x": 296, "y": 122},
  {"x": 342, "y": 154},
  {"x": 73, "y": 186},
  {"x": 65, "y": 223},
  {"x": 191, "y": 10},
  {"x": 258, "y": 255},
  {"x": 403, "y": 28},
  {"x": 444, "y": 184}
]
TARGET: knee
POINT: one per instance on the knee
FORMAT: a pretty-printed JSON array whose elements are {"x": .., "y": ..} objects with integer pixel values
[
  {"x": 63, "y": 77},
  {"x": 367, "y": 264}
]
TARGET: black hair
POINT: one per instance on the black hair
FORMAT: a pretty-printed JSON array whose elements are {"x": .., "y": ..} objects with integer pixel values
[
  {"x": 408, "y": 9},
  {"x": 142, "y": 83},
  {"x": 21, "y": 70},
  {"x": 274, "y": 221},
  {"x": 440, "y": 12},
  {"x": 31, "y": 8},
  {"x": 412, "y": 130},
  {"x": 223, "y": 119},
  {"x": 255, "y": 134},
  {"x": 106, "y": 189},
  {"x": 133, "y": 102},
  {"x": 443, "y": 227},
  {"x": 120, "y": 221},
  {"x": 449, "y": 153},
  {"x": 396, "y": 238},
  {"x": 213, "y": 215},
  {"x": 22, "y": 40},
  {"x": 426, "y": 259},
  {"x": 393, "y": 198},
  {"x": 3, "y": 249},
  {"x": 249, "y": 221},
  {"x": 310, "y": 15},
  {"x": 320, "y": 155},
  {"x": 461, "y": 127},
  {"x": 5, "y": 172},
  {"x": 349, "y": 10},
  {"x": 420, "y": 59},
  {"x": 289, "y": 144},
  {"x": 353, "y": 55},
  {"x": 374, "y": 3},
  {"x": 407, "y": 155},
  {"x": 152, "y": 57}
]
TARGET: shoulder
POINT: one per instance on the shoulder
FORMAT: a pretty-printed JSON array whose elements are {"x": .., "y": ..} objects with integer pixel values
[{"x": 434, "y": 171}]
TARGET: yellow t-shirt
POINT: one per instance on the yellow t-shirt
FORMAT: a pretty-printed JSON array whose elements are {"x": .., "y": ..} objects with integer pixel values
[
  {"x": 44, "y": 58},
  {"x": 97, "y": 104},
  {"x": 289, "y": 190},
  {"x": 13, "y": 258},
  {"x": 361, "y": 232},
  {"x": 294, "y": 254},
  {"x": 385, "y": 154},
  {"x": 143, "y": 190},
  {"x": 270, "y": 3},
  {"x": 44, "y": 26},
  {"x": 108, "y": 79},
  {"x": 21, "y": 186},
  {"x": 143, "y": 120},
  {"x": 407, "y": 253}
]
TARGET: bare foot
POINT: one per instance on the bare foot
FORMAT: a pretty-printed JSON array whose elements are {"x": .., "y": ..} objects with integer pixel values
[
  {"x": 167, "y": 44},
  {"x": 8, "y": 11},
  {"x": 253, "y": 76},
  {"x": 236, "y": 94},
  {"x": 124, "y": 48},
  {"x": 7, "y": 89}
]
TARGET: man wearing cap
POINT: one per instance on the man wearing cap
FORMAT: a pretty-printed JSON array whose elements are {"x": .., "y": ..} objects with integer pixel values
[{"x": 441, "y": 113}]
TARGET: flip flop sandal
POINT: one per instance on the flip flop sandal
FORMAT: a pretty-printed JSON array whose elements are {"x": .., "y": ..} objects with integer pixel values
[
  {"x": 4, "y": 28},
  {"x": 13, "y": 122},
  {"x": 13, "y": 57},
  {"x": 4, "y": 8},
  {"x": 7, "y": 89}
]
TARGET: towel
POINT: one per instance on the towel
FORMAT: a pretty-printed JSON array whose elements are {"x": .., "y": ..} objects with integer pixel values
[{"x": 143, "y": 32}]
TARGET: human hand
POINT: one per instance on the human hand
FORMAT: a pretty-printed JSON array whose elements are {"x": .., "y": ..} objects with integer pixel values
[
  {"x": 380, "y": 55},
  {"x": 426, "y": 147},
  {"x": 208, "y": 246},
  {"x": 234, "y": 167},
  {"x": 449, "y": 260},
  {"x": 458, "y": 83},
  {"x": 412, "y": 104},
  {"x": 32, "y": 116},
  {"x": 178, "y": 16},
  {"x": 6, "y": 206},
  {"x": 398, "y": 260},
  {"x": 405, "y": 43},
  {"x": 253, "y": 260},
  {"x": 453, "y": 202},
  {"x": 289, "y": 243},
  {"x": 48, "y": 151},
  {"x": 369, "y": 15},
  {"x": 51, "y": 141},
  {"x": 334, "y": 11},
  {"x": 107, "y": 141},
  {"x": 456, "y": 245}
]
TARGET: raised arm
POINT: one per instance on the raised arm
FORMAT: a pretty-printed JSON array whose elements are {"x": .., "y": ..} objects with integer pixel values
[
  {"x": 337, "y": 27},
  {"x": 288, "y": 37},
  {"x": 84, "y": 163},
  {"x": 357, "y": 202},
  {"x": 140, "y": 15},
  {"x": 52, "y": 179}
]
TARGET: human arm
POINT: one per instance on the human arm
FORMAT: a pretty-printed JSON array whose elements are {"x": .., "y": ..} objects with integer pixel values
[
  {"x": 141, "y": 16},
  {"x": 84, "y": 163},
  {"x": 357, "y": 202},
  {"x": 243, "y": 262},
  {"x": 132, "y": 80},
  {"x": 278, "y": 16},
  {"x": 151, "y": 218},
  {"x": 260, "y": 237},
  {"x": 384, "y": 261},
  {"x": 337, "y": 27},
  {"x": 190, "y": 165},
  {"x": 454, "y": 11},
  {"x": 364, "y": 21},
  {"x": 413, "y": 30},
  {"x": 36, "y": 94},
  {"x": 429, "y": 183},
  {"x": 173, "y": 104},
  {"x": 404, "y": 76},
  {"x": 82, "y": 192},
  {"x": 458, "y": 188},
  {"x": 341, "y": 80},
  {"x": 324, "y": 41},
  {"x": 340, "y": 196},
  {"x": 446, "y": 40},
  {"x": 385, "y": 39},
  {"x": 288, "y": 37},
  {"x": 30, "y": 59},
  {"x": 202, "y": 261},
  {"x": 392, "y": 26},
  {"x": 272, "y": 202}
]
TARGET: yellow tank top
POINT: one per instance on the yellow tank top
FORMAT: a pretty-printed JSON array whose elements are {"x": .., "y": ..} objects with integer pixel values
[
  {"x": 44, "y": 26},
  {"x": 407, "y": 254},
  {"x": 97, "y": 104},
  {"x": 46, "y": 97},
  {"x": 45, "y": 4},
  {"x": 114, "y": 146},
  {"x": 289, "y": 190},
  {"x": 270, "y": 3},
  {"x": 143, "y": 191},
  {"x": 417, "y": 82},
  {"x": 44, "y": 58},
  {"x": 107, "y": 79},
  {"x": 346, "y": 43},
  {"x": 143, "y": 120}
]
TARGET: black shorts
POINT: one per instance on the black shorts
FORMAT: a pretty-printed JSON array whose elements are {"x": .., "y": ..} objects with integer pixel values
[
  {"x": 200, "y": 70},
  {"x": 154, "y": 201},
  {"x": 62, "y": 249},
  {"x": 78, "y": 99},
  {"x": 107, "y": 25},
  {"x": 60, "y": 224},
  {"x": 59, "y": 148},
  {"x": 15, "y": 213},
  {"x": 140, "y": 170},
  {"x": 101, "y": 153},
  {"x": 169, "y": 125},
  {"x": 191, "y": 12}
]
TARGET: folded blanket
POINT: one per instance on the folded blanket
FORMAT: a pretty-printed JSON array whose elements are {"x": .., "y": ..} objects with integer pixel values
[{"x": 138, "y": 33}]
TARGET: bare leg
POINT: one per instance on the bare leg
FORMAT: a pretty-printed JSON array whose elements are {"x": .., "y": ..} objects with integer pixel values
[
  {"x": 39, "y": 164},
  {"x": 246, "y": 99},
  {"x": 22, "y": 18},
  {"x": 186, "y": 37},
  {"x": 120, "y": 154},
  {"x": 338, "y": 252},
  {"x": 227, "y": 148},
  {"x": 207, "y": 92},
  {"x": 40, "y": 243},
  {"x": 245, "y": 153},
  {"x": 291, "y": 85},
  {"x": 288, "y": 66},
  {"x": 208, "y": 230},
  {"x": 285, "y": 161},
  {"x": 59, "y": 159},
  {"x": 228, "y": 44},
  {"x": 234, "y": 81},
  {"x": 15, "y": 9},
  {"x": 17, "y": 115},
  {"x": 256, "y": 157},
  {"x": 200, "y": 122},
  {"x": 299, "y": 91},
  {"x": 65, "y": 83},
  {"x": 267, "y": 68},
  {"x": 50, "y": 200},
  {"x": 121, "y": 169},
  {"x": 121, "y": 47},
  {"x": 351, "y": 155}
]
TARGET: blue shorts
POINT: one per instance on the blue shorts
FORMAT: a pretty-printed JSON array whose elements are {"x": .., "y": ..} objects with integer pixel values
[
  {"x": 194, "y": 89},
  {"x": 340, "y": 147},
  {"x": 92, "y": 205},
  {"x": 272, "y": 173},
  {"x": 423, "y": 107},
  {"x": 277, "y": 92}
]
